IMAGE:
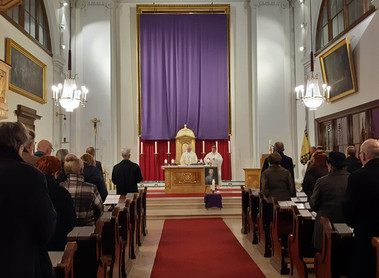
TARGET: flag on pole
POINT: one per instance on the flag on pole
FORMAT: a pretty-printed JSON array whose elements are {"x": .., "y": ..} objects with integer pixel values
[{"x": 305, "y": 149}]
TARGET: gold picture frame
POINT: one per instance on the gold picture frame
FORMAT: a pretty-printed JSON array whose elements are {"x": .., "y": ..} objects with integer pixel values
[
  {"x": 4, "y": 85},
  {"x": 338, "y": 70},
  {"x": 28, "y": 74}
]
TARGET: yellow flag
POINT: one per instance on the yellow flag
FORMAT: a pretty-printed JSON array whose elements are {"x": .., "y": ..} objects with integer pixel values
[{"x": 305, "y": 154}]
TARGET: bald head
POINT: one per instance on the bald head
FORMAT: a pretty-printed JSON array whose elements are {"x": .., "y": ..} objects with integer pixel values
[
  {"x": 45, "y": 146},
  {"x": 91, "y": 151},
  {"x": 279, "y": 147},
  {"x": 369, "y": 150}
]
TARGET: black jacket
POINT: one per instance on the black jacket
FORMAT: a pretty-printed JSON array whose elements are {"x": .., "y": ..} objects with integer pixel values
[
  {"x": 310, "y": 178},
  {"x": 28, "y": 218},
  {"x": 125, "y": 176},
  {"x": 352, "y": 164},
  {"x": 93, "y": 175},
  {"x": 66, "y": 216},
  {"x": 362, "y": 198}
]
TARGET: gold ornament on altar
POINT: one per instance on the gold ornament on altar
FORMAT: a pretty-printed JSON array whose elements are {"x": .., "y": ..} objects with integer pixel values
[{"x": 183, "y": 138}]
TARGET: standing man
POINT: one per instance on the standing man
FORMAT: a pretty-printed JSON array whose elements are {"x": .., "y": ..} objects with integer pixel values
[
  {"x": 26, "y": 208},
  {"x": 91, "y": 151},
  {"x": 352, "y": 162},
  {"x": 126, "y": 174},
  {"x": 286, "y": 162},
  {"x": 27, "y": 154},
  {"x": 362, "y": 198},
  {"x": 214, "y": 159},
  {"x": 188, "y": 157},
  {"x": 44, "y": 147}
]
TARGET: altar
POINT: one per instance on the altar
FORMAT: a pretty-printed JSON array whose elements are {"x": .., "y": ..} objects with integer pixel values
[{"x": 185, "y": 179}]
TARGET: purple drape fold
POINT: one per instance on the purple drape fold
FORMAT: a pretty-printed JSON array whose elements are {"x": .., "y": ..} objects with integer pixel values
[{"x": 184, "y": 75}]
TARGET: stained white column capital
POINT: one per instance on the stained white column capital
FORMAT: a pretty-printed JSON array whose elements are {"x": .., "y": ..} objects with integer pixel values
[
  {"x": 280, "y": 3},
  {"x": 81, "y": 4}
]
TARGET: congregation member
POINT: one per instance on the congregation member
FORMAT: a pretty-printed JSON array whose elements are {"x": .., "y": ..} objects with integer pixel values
[
  {"x": 286, "y": 160},
  {"x": 214, "y": 159},
  {"x": 44, "y": 147},
  {"x": 91, "y": 151},
  {"x": 352, "y": 162},
  {"x": 317, "y": 169},
  {"x": 126, "y": 174},
  {"x": 188, "y": 157},
  {"x": 61, "y": 155},
  {"x": 87, "y": 200},
  {"x": 51, "y": 166},
  {"x": 362, "y": 198},
  {"x": 27, "y": 154},
  {"x": 328, "y": 195},
  {"x": 26, "y": 210},
  {"x": 276, "y": 180},
  {"x": 93, "y": 175}
]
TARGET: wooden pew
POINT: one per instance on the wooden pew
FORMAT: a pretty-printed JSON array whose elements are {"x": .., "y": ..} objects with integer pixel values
[
  {"x": 264, "y": 220},
  {"x": 335, "y": 259},
  {"x": 245, "y": 210},
  {"x": 63, "y": 262},
  {"x": 139, "y": 232},
  {"x": 281, "y": 228},
  {"x": 375, "y": 243},
  {"x": 144, "y": 215},
  {"x": 133, "y": 223},
  {"x": 124, "y": 231},
  {"x": 253, "y": 216},
  {"x": 87, "y": 256},
  {"x": 300, "y": 247}
]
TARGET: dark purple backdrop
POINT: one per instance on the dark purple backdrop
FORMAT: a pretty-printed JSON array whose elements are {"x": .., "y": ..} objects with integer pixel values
[{"x": 184, "y": 75}]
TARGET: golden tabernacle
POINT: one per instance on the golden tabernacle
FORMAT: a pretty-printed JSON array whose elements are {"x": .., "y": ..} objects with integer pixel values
[{"x": 185, "y": 179}]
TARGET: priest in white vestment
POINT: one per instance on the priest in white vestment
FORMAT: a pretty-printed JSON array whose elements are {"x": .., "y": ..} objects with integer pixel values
[
  {"x": 188, "y": 157},
  {"x": 214, "y": 159}
]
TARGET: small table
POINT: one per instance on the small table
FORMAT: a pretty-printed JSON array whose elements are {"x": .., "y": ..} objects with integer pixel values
[{"x": 213, "y": 200}]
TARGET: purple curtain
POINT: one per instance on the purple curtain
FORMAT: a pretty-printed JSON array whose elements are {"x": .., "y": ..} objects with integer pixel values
[{"x": 184, "y": 75}]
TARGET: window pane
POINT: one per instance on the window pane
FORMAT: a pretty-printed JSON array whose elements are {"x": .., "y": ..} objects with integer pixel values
[
  {"x": 324, "y": 16},
  {"x": 325, "y": 35},
  {"x": 33, "y": 8},
  {"x": 338, "y": 26},
  {"x": 355, "y": 11},
  {"x": 10, "y": 13},
  {"x": 335, "y": 7},
  {"x": 27, "y": 6},
  {"x": 40, "y": 34},
  {"x": 32, "y": 27},
  {"x": 27, "y": 22}
]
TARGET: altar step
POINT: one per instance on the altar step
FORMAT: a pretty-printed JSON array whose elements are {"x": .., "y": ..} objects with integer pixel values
[{"x": 191, "y": 207}]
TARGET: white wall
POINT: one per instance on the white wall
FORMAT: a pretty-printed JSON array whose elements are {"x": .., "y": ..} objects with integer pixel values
[{"x": 44, "y": 127}]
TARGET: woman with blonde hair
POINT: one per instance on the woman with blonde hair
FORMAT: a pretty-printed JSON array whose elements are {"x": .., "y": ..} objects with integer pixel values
[{"x": 87, "y": 200}]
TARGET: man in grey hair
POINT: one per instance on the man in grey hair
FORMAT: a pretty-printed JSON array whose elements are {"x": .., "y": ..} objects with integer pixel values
[
  {"x": 126, "y": 174},
  {"x": 362, "y": 198},
  {"x": 352, "y": 162}
]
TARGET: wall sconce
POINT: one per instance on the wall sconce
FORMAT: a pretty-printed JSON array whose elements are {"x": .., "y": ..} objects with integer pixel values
[{"x": 301, "y": 48}]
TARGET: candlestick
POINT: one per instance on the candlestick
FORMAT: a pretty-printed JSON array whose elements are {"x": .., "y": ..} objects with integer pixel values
[
  {"x": 213, "y": 186},
  {"x": 229, "y": 146},
  {"x": 141, "y": 148},
  {"x": 269, "y": 146},
  {"x": 217, "y": 145},
  {"x": 168, "y": 146},
  {"x": 203, "y": 146},
  {"x": 155, "y": 145}
]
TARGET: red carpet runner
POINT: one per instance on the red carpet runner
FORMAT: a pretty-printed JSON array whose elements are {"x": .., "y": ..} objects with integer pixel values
[{"x": 199, "y": 248}]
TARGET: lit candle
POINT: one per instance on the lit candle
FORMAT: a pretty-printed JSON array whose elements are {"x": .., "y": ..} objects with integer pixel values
[
  {"x": 165, "y": 161},
  {"x": 229, "y": 146},
  {"x": 217, "y": 145},
  {"x": 172, "y": 161},
  {"x": 155, "y": 145},
  {"x": 213, "y": 186},
  {"x": 141, "y": 148},
  {"x": 203, "y": 146},
  {"x": 168, "y": 146}
]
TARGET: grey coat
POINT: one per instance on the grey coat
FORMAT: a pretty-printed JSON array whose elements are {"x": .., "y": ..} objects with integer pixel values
[{"x": 327, "y": 200}]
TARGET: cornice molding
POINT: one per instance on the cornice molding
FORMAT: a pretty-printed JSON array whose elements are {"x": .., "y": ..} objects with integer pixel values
[
  {"x": 283, "y": 4},
  {"x": 81, "y": 4}
]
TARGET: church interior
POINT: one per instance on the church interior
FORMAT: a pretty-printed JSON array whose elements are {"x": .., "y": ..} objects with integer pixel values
[{"x": 200, "y": 95}]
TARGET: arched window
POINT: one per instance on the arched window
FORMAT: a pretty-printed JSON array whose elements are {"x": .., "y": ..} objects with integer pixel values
[
  {"x": 30, "y": 17},
  {"x": 338, "y": 16}
]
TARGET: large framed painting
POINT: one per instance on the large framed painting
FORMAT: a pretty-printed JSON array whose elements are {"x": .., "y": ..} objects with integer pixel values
[
  {"x": 338, "y": 70},
  {"x": 28, "y": 74},
  {"x": 4, "y": 83}
]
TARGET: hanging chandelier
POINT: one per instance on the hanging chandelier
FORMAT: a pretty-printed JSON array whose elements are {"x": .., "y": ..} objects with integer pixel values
[
  {"x": 68, "y": 95},
  {"x": 311, "y": 96}
]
